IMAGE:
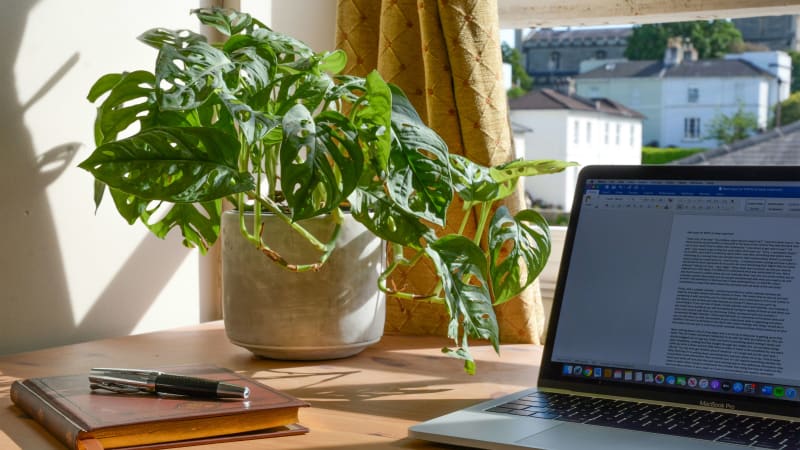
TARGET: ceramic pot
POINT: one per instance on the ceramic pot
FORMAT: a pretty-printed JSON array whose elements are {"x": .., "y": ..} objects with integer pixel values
[{"x": 332, "y": 313}]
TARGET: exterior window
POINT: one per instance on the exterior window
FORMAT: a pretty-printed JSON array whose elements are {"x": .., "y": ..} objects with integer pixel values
[
  {"x": 588, "y": 132},
  {"x": 576, "y": 132},
  {"x": 555, "y": 61},
  {"x": 616, "y": 136},
  {"x": 693, "y": 95},
  {"x": 691, "y": 128},
  {"x": 605, "y": 134},
  {"x": 631, "y": 136},
  {"x": 600, "y": 54}
]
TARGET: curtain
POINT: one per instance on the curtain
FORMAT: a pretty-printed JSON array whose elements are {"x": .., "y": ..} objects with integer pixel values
[{"x": 446, "y": 56}]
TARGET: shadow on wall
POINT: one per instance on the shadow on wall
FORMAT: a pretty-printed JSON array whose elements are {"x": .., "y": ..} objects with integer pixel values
[{"x": 35, "y": 306}]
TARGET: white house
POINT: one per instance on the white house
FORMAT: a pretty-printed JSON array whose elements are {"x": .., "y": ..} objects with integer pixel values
[
  {"x": 554, "y": 125},
  {"x": 680, "y": 96}
]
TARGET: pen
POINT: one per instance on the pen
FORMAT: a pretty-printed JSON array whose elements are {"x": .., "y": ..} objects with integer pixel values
[{"x": 131, "y": 381}]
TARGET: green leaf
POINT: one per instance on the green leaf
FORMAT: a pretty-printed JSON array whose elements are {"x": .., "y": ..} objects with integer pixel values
[
  {"x": 511, "y": 171},
  {"x": 419, "y": 171},
  {"x": 172, "y": 164},
  {"x": 518, "y": 245},
  {"x": 374, "y": 116},
  {"x": 473, "y": 182},
  {"x": 288, "y": 49},
  {"x": 186, "y": 77},
  {"x": 303, "y": 88},
  {"x": 103, "y": 84},
  {"x": 254, "y": 124},
  {"x": 507, "y": 174},
  {"x": 159, "y": 37},
  {"x": 373, "y": 208},
  {"x": 255, "y": 61},
  {"x": 226, "y": 21},
  {"x": 130, "y": 99},
  {"x": 334, "y": 62},
  {"x": 199, "y": 223},
  {"x": 320, "y": 161},
  {"x": 129, "y": 206},
  {"x": 463, "y": 269},
  {"x": 462, "y": 353}
]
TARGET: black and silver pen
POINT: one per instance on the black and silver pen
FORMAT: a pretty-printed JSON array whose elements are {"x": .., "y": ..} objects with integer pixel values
[{"x": 151, "y": 381}]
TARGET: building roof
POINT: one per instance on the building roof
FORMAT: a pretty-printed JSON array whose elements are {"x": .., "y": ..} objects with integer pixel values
[
  {"x": 586, "y": 36},
  {"x": 777, "y": 147},
  {"x": 656, "y": 69},
  {"x": 543, "y": 99}
]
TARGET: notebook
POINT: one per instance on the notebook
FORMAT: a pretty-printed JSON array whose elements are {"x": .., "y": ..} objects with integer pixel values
[{"x": 675, "y": 322}]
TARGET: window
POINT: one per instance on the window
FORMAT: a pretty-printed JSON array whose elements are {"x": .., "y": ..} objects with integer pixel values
[
  {"x": 606, "y": 132},
  {"x": 588, "y": 132},
  {"x": 691, "y": 128},
  {"x": 693, "y": 94},
  {"x": 616, "y": 136},
  {"x": 633, "y": 129},
  {"x": 555, "y": 61},
  {"x": 576, "y": 132},
  {"x": 600, "y": 54}
]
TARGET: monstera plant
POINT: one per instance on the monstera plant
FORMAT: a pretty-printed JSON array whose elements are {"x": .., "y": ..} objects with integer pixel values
[{"x": 263, "y": 121}]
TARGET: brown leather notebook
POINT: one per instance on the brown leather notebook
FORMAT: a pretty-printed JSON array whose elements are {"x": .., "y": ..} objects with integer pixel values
[{"x": 81, "y": 418}]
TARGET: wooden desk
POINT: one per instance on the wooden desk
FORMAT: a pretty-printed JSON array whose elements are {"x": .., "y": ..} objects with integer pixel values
[{"x": 363, "y": 402}]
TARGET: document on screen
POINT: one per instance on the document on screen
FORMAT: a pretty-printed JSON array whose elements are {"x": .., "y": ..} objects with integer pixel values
[{"x": 730, "y": 297}]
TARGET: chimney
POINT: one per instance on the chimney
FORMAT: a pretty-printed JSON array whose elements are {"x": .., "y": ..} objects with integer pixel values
[
  {"x": 679, "y": 50},
  {"x": 565, "y": 86},
  {"x": 674, "y": 53}
]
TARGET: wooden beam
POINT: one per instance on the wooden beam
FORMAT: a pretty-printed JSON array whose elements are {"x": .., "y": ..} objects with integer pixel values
[{"x": 553, "y": 13}]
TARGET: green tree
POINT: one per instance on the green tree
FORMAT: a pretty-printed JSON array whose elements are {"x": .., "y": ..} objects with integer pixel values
[
  {"x": 795, "y": 86},
  {"x": 727, "y": 129},
  {"x": 790, "y": 109},
  {"x": 521, "y": 81},
  {"x": 712, "y": 39}
]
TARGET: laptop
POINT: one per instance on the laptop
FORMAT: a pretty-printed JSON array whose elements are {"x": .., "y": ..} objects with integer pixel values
[{"x": 675, "y": 322}]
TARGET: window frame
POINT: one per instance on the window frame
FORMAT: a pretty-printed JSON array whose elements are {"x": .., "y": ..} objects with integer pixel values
[{"x": 692, "y": 129}]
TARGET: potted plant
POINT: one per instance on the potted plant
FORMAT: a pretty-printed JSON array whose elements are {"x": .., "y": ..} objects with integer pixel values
[{"x": 264, "y": 122}]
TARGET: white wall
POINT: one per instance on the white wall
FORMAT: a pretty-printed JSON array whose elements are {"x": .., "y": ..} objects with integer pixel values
[
  {"x": 553, "y": 137},
  {"x": 547, "y": 140},
  {"x": 716, "y": 96},
  {"x": 69, "y": 274},
  {"x": 640, "y": 94}
]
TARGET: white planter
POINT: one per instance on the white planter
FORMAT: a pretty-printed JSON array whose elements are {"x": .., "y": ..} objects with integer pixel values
[{"x": 333, "y": 313}]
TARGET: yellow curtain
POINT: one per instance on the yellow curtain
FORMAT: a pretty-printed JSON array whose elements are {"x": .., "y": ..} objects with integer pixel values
[{"x": 446, "y": 56}]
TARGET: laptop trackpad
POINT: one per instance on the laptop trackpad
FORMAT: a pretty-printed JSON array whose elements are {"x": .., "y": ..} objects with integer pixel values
[{"x": 572, "y": 436}]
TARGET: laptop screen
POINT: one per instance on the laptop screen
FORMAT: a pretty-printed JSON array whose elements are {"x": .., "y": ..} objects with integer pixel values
[{"x": 681, "y": 280}]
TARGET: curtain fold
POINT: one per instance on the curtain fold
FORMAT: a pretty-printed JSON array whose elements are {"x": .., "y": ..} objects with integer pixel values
[{"x": 446, "y": 56}]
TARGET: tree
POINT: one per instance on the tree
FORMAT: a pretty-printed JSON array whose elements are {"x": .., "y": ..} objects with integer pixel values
[
  {"x": 712, "y": 39},
  {"x": 790, "y": 109},
  {"x": 728, "y": 129},
  {"x": 520, "y": 80},
  {"x": 795, "y": 86}
]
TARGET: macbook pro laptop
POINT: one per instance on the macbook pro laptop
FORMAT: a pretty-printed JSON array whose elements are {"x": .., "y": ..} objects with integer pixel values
[{"x": 675, "y": 322}]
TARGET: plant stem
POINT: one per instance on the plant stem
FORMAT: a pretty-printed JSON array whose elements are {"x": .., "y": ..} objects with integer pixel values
[
  {"x": 397, "y": 262},
  {"x": 485, "y": 209},
  {"x": 275, "y": 209}
]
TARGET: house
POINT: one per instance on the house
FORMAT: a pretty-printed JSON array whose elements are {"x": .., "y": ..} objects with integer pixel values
[
  {"x": 680, "y": 96},
  {"x": 552, "y": 56},
  {"x": 554, "y": 125},
  {"x": 778, "y": 147}
]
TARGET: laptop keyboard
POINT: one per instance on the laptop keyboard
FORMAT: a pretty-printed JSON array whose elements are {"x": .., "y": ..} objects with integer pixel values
[{"x": 709, "y": 425}]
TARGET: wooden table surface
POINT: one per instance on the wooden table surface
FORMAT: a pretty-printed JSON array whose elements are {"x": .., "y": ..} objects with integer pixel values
[{"x": 363, "y": 402}]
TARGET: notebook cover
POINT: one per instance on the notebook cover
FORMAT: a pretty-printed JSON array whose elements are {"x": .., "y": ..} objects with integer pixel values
[{"x": 67, "y": 408}]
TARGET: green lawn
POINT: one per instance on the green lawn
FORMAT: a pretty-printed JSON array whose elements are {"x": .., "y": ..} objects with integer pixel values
[{"x": 657, "y": 155}]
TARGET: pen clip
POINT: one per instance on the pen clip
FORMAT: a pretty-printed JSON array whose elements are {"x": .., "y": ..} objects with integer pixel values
[
  {"x": 125, "y": 381},
  {"x": 114, "y": 371}
]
